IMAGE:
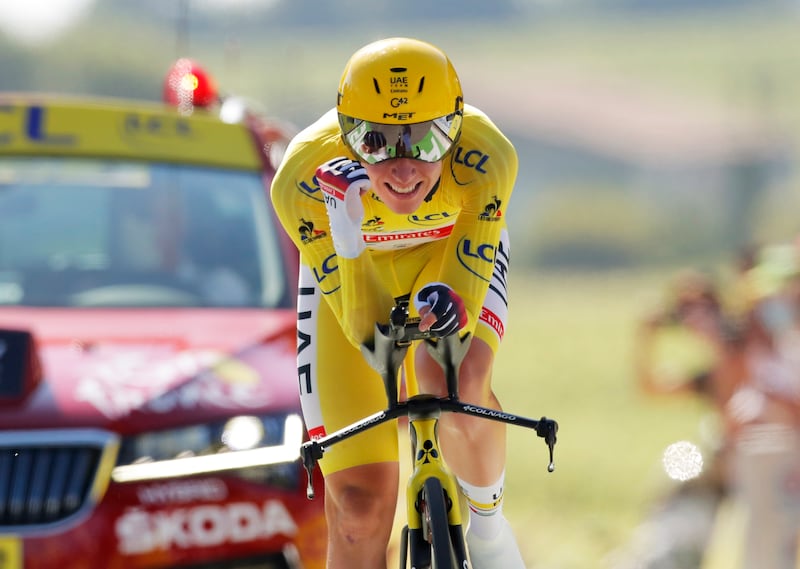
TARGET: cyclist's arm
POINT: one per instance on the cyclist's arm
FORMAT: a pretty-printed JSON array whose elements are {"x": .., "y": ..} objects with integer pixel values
[
  {"x": 351, "y": 287},
  {"x": 470, "y": 254}
]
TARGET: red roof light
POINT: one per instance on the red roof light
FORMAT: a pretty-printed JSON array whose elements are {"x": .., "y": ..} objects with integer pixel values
[{"x": 188, "y": 85}]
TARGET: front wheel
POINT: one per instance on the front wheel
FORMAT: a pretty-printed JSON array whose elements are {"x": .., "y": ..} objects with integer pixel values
[{"x": 435, "y": 525}]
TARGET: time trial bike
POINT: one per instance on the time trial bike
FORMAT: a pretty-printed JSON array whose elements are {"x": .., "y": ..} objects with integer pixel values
[{"x": 433, "y": 536}]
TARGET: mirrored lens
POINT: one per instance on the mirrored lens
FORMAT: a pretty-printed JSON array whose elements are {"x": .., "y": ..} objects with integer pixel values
[{"x": 428, "y": 141}]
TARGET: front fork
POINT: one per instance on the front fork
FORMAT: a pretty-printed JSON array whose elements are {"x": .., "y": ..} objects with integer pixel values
[{"x": 428, "y": 461}]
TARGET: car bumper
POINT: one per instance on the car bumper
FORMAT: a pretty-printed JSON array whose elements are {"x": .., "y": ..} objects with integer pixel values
[{"x": 201, "y": 522}]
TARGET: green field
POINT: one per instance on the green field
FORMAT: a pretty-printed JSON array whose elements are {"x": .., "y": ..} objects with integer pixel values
[{"x": 567, "y": 354}]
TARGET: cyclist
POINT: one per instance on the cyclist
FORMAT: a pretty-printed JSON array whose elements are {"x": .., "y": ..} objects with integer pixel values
[{"x": 400, "y": 190}]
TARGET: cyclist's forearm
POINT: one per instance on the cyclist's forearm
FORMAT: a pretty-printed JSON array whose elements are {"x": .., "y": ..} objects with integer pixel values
[
  {"x": 470, "y": 261},
  {"x": 351, "y": 287},
  {"x": 363, "y": 297}
]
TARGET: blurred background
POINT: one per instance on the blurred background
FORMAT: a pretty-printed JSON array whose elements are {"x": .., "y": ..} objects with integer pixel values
[
  {"x": 653, "y": 135},
  {"x": 675, "y": 120}
]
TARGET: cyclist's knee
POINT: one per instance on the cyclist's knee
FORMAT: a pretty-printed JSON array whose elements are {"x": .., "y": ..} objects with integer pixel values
[
  {"x": 360, "y": 501},
  {"x": 475, "y": 374}
]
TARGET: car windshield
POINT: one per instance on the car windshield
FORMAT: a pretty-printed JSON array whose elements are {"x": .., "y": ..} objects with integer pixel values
[{"x": 100, "y": 233}]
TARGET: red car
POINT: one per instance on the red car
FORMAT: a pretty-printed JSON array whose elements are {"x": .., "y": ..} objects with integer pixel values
[{"x": 149, "y": 415}]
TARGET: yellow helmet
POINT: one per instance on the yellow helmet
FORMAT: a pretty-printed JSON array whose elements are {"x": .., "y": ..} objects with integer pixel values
[{"x": 400, "y": 82}]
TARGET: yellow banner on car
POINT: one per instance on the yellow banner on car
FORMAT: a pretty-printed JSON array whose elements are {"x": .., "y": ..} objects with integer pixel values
[{"x": 122, "y": 130}]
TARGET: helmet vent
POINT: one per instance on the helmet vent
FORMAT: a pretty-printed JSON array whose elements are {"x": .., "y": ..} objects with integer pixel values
[
  {"x": 398, "y": 69},
  {"x": 421, "y": 84},
  {"x": 377, "y": 87}
]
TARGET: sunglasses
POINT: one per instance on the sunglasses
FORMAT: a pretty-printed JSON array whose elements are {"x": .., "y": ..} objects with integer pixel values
[{"x": 429, "y": 141}]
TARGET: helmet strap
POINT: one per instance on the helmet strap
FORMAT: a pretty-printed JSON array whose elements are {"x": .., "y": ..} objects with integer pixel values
[{"x": 435, "y": 187}]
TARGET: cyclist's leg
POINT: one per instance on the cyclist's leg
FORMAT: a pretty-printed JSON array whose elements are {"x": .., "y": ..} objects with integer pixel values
[
  {"x": 480, "y": 452},
  {"x": 480, "y": 445},
  {"x": 474, "y": 448},
  {"x": 338, "y": 387},
  {"x": 359, "y": 507}
]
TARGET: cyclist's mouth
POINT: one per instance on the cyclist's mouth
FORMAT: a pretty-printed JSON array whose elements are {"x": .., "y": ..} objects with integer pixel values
[{"x": 403, "y": 191}]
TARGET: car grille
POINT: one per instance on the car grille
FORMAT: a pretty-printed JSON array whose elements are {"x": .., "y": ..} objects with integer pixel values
[{"x": 48, "y": 476}]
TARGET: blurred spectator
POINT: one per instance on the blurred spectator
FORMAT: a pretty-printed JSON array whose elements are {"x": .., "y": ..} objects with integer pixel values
[
  {"x": 753, "y": 382},
  {"x": 765, "y": 414},
  {"x": 677, "y": 534}
]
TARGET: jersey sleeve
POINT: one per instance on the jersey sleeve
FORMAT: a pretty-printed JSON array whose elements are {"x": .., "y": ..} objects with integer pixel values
[
  {"x": 484, "y": 170},
  {"x": 350, "y": 286}
]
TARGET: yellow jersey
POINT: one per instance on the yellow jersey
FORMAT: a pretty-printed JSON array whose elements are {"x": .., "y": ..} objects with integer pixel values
[{"x": 458, "y": 227}]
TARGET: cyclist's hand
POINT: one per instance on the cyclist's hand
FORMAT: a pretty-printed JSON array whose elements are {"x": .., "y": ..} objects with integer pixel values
[
  {"x": 441, "y": 309},
  {"x": 343, "y": 181}
]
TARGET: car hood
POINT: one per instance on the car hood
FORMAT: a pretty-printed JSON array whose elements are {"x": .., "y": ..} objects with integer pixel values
[{"x": 132, "y": 370}]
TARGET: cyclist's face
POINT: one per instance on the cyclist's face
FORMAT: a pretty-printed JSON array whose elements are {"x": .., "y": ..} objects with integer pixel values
[{"x": 403, "y": 183}]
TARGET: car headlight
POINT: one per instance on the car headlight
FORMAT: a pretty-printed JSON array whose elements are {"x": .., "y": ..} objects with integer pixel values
[{"x": 242, "y": 442}]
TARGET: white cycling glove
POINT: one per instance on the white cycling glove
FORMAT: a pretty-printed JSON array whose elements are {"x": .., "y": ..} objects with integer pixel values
[{"x": 342, "y": 180}]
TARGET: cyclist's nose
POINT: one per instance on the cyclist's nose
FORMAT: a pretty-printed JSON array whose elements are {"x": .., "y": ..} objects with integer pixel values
[{"x": 404, "y": 169}]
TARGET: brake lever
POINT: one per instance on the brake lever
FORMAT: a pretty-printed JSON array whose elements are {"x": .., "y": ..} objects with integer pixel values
[
  {"x": 310, "y": 452},
  {"x": 547, "y": 429}
]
